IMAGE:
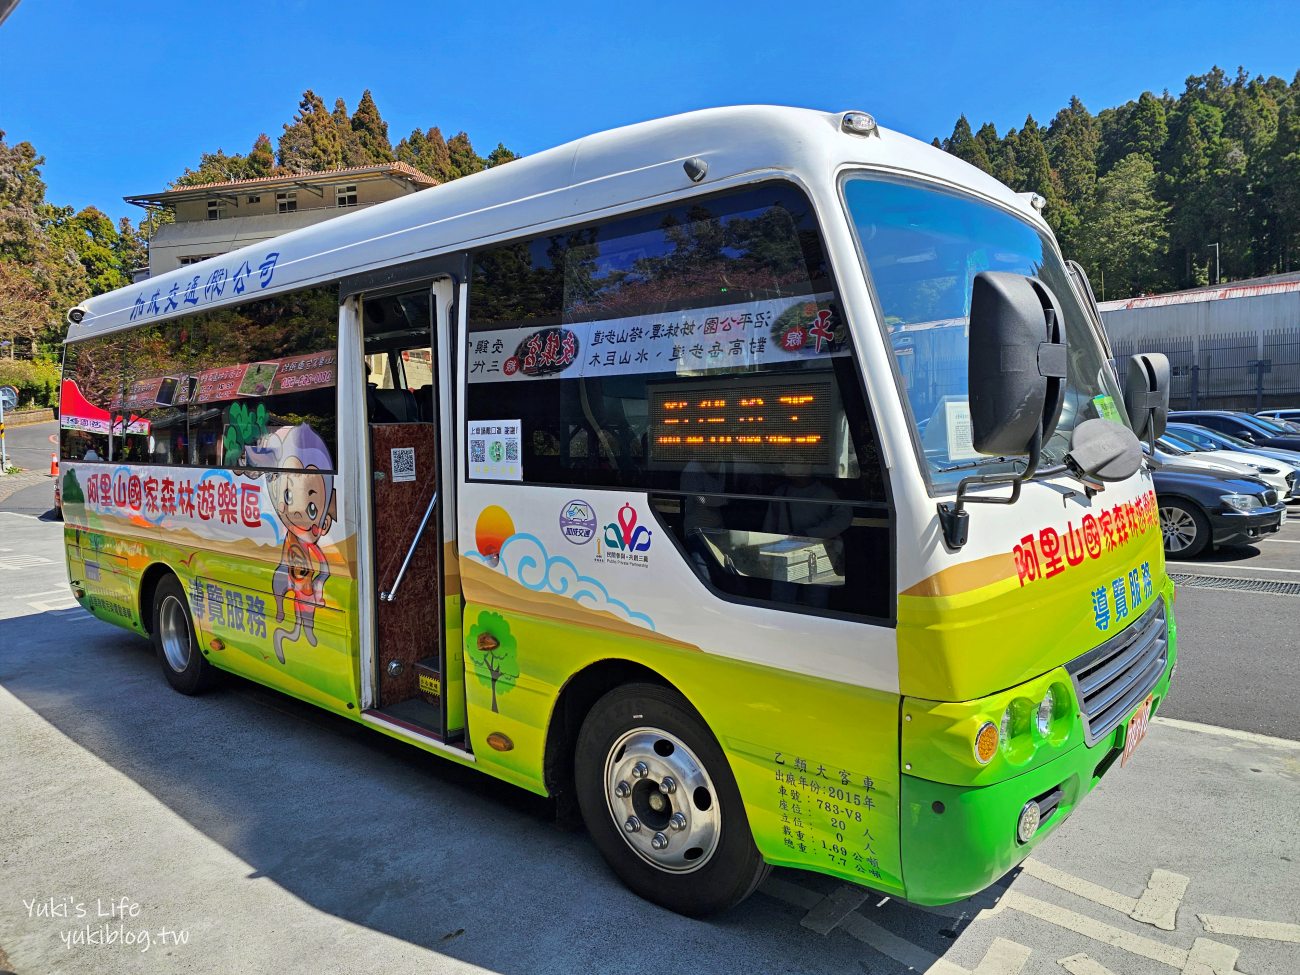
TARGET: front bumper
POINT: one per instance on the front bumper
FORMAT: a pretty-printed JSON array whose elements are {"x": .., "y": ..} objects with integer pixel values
[
  {"x": 956, "y": 840},
  {"x": 1244, "y": 527}
]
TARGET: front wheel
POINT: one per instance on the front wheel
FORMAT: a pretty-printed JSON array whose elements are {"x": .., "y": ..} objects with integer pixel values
[
  {"x": 1184, "y": 528},
  {"x": 175, "y": 642},
  {"x": 660, "y": 802}
]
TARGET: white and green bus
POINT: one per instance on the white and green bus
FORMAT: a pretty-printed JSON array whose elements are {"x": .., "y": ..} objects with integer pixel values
[{"x": 755, "y": 481}]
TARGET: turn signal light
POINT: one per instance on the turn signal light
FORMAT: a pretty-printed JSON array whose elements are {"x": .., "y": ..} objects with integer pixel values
[{"x": 986, "y": 742}]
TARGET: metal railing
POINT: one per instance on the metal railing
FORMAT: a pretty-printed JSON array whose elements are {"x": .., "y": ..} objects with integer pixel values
[{"x": 1235, "y": 371}]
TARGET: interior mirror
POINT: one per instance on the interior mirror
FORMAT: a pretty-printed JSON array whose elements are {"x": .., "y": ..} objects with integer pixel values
[
  {"x": 1017, "y": 363},
  {"x": 1102, "y": 451},
  {"x": 1146, "y": 394}
]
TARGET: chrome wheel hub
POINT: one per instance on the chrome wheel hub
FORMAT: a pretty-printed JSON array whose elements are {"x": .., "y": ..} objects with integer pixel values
[
  {"x": 662, "y": 800},
  {"x": 174, "y": 632},
  {"x": 1178, "y": 528}
]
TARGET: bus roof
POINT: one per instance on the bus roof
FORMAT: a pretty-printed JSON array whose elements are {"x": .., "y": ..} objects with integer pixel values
[{"x": 628, "y": 168}]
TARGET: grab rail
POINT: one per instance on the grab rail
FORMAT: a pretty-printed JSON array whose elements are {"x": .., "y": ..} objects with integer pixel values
[{"x": 391, "y": 594}]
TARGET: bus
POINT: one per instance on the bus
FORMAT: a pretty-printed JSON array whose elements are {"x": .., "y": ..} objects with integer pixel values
[{"x": 754, "y": 482}]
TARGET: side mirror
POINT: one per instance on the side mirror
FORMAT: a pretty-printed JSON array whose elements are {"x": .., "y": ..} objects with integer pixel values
[
  {"x": 1146, "y": 394},
  {"x": 1017, "y": 363},
  {"x": 1102, "y": 451},
  {"x": 1017, "y": 368}
]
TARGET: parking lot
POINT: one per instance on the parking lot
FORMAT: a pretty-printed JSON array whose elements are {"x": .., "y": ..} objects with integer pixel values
[{"x": 243, "y": 831}]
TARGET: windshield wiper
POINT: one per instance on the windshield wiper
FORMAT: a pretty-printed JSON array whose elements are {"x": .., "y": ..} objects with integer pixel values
[{"x": 982, "y": 462}]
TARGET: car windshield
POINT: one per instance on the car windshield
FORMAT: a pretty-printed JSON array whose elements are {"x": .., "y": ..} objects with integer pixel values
[
  {"x": 1186, "y": 446},
  {"x": 1279, "y": 428},
  {"x": 922, "y": 248}
]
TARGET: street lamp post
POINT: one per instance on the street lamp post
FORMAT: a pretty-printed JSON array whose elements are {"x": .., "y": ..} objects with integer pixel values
[{"x": 1217, "y": 278}]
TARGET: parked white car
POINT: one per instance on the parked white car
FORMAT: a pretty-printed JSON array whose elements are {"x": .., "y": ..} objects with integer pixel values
[{"x": 1277, "y": 475}]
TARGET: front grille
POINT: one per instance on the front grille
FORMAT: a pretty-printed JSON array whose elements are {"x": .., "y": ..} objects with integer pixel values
[
  {"x": 1111, "y": 679},
  {"x": 1270, "y": 497}
]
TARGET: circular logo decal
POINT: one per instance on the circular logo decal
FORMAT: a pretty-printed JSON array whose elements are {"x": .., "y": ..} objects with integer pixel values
[{"x": 578, "y": 522}]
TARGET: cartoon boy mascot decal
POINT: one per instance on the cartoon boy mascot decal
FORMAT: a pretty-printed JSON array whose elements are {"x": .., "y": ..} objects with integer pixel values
[{"x": 302, "y": 493}]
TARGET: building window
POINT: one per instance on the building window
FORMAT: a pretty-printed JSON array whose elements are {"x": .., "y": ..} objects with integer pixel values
[
  {"x": 194, "y": 258},
  {"x": 216, "y": 209},
  {"x": 254, "y": 199},
  {"x": 286, "y": 202},
  {"x": 345, "y": 196}
]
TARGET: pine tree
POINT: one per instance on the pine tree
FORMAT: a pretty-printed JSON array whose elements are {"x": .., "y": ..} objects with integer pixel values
[
  {"x": 500, "y": 155},
  {"x": 311, "y": 142},
  {"x": 370, "y": 132},
  {"x": 963, "y": 144},
  {"x": 464, "y": 160},
  {"x": 427, "y": 152},
  {"x": 261, "y": 158}
]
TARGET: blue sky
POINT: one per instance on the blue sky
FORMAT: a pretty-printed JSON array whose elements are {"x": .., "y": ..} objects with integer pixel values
[{"x": 121, "y": 97}]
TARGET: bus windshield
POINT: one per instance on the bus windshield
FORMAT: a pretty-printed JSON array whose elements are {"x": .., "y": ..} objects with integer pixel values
[{"x": 923, "y": 248}]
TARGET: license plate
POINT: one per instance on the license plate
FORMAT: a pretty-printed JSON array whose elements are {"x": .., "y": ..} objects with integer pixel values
[
  {"x": 1283, "y": 521},
  {"x": 1137, "y": 730}
]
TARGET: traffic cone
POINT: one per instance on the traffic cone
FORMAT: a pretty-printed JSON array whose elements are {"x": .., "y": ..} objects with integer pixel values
[{"x": 54, "y": 465}]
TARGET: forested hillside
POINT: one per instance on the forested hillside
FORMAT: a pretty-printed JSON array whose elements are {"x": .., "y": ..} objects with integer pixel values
[{"x": 1140, "y": 194}]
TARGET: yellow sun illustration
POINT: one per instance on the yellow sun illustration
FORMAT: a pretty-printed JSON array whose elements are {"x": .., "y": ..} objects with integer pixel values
[{"x": 493, "y": 527}]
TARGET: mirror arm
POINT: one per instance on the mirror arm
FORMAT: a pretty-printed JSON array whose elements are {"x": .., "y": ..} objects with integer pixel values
[{"x": 953, "y": 516}]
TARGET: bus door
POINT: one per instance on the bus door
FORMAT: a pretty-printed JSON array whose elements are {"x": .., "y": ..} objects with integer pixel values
[{"x": 406, "y": 459}]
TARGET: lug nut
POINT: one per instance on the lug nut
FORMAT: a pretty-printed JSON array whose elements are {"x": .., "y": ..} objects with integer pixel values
[
  {"x": 668, "y": 786},
  {"x": 640, "y": 770},
  {"x": 677, "y": 822},
  {"x": 659, "y": 841},
  {"x": 622, "y": 790},
  {"x": 633, "y": 825}
]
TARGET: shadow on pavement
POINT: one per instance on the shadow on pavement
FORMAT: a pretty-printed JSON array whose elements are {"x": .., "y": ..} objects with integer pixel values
[{"x": 383, "y": 835}]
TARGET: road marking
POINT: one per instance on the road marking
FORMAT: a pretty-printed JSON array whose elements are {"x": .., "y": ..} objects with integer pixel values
[
  {"x": 1283, "y": 541},
  {"x": 1211, "y": 958},
  {"x": 1211, "y": 729},
  {"x": 1219, "y": 566},
  {"x": 1083, "y": 965},
  {"x": 834, "y": 908},
  {"x": 15, "y": 563},
  {"x": 1134, "y": 944},
  {"x": 1158, "y": 904},
  {"x": 1082, "y": 888},
  {"x": 1003, "y": 958},
  {"x": 1250, "y": 928}
]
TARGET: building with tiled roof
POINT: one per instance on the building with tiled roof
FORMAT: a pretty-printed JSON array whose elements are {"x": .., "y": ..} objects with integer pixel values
[{"x": 215, "y": 218}]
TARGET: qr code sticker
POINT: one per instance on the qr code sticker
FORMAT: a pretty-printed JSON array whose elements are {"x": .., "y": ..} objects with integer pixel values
[
  {"x": 403, "y": 462},
  {"x": 478, "y": 451},
  {"x": 512, "y": 450}
]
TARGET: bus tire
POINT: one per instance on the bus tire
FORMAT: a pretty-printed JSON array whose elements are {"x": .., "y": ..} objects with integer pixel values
[
  {"x": 660, "y": 802},
  {"x": 175, "y": 642}
]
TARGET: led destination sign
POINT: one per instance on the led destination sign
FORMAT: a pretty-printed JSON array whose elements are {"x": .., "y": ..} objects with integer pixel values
[{"x": 769, "y": 421}]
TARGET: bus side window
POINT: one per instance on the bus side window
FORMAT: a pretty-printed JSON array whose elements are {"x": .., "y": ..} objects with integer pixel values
[{"x": 699, "y": 353}]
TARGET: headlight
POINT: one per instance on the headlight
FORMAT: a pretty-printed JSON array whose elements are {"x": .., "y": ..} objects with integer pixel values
[
  {"x": 1044, "y": 716},
  {"x": 1241, "y": 502}
]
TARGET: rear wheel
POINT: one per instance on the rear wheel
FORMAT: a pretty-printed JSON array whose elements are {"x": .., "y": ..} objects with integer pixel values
[
  {"x": 1184, "y": 528},
  {"x": 175, "y": 642},
  {"x": 660, "y": 802}
]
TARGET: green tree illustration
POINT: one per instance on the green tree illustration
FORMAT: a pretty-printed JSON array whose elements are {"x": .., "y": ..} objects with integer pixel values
[
  {"x": 491, "y": 646},
  {"x": 71, "y": 489}
]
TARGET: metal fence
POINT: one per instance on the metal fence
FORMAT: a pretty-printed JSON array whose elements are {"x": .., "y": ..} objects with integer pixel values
[{"x": 1238, "y": 371}]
